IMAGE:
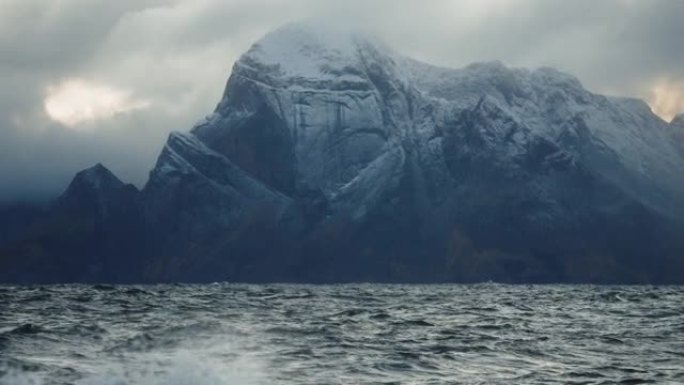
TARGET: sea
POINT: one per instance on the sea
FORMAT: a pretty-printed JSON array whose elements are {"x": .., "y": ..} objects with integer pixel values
[{"x": 238, "y": 334}]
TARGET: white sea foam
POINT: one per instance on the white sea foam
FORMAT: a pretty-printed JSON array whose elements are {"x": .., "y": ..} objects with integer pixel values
[
  {"x": 15, "y": 377},
  {"x": 184, "y": 367}
]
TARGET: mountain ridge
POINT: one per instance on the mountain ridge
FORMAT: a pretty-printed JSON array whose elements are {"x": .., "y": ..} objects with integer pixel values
[{"x": 331, "y": 158}]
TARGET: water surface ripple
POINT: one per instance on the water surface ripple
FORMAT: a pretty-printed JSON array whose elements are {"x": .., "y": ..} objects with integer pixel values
[{"x": 341, "y": 334}]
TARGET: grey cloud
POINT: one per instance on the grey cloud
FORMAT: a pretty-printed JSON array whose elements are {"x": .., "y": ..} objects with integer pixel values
[
  {"x": 55, "y": 34},
  {"x": 178, "y": 54}
]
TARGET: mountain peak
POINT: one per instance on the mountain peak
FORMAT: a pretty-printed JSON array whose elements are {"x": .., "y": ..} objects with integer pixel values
[
  {"x": 291, "y": 45},
  {"x": 96, "y": 189},
  {"x": 306, "y": 54},
  {"x": 93, "y": 181},
  {"x": 97, "y": 177}
]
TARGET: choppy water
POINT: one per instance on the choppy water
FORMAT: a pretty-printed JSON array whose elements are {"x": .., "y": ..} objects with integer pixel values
[{"x": 349, "y": 334}]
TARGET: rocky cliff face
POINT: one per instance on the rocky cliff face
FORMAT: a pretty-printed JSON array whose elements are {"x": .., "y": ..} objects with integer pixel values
[{"x": 332, "y": 158}]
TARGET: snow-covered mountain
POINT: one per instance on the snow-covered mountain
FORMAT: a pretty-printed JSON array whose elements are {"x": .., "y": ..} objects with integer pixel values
[{"x": 331, "y": 157}]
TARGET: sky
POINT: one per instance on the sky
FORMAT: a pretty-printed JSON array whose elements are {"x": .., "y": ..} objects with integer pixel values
[{"x": 88, "y": 81}]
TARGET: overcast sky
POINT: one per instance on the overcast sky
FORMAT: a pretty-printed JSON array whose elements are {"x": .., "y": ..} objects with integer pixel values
[{"x": 87, "y": 81}]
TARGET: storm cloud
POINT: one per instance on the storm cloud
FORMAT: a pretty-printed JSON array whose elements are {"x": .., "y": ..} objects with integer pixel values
[{"x": 87, "y": 81}]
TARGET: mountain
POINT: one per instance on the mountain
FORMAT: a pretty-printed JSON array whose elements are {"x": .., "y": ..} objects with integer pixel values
[
  {"x": 332, "y": 158},
  {"x": 92, "y": 233}
]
